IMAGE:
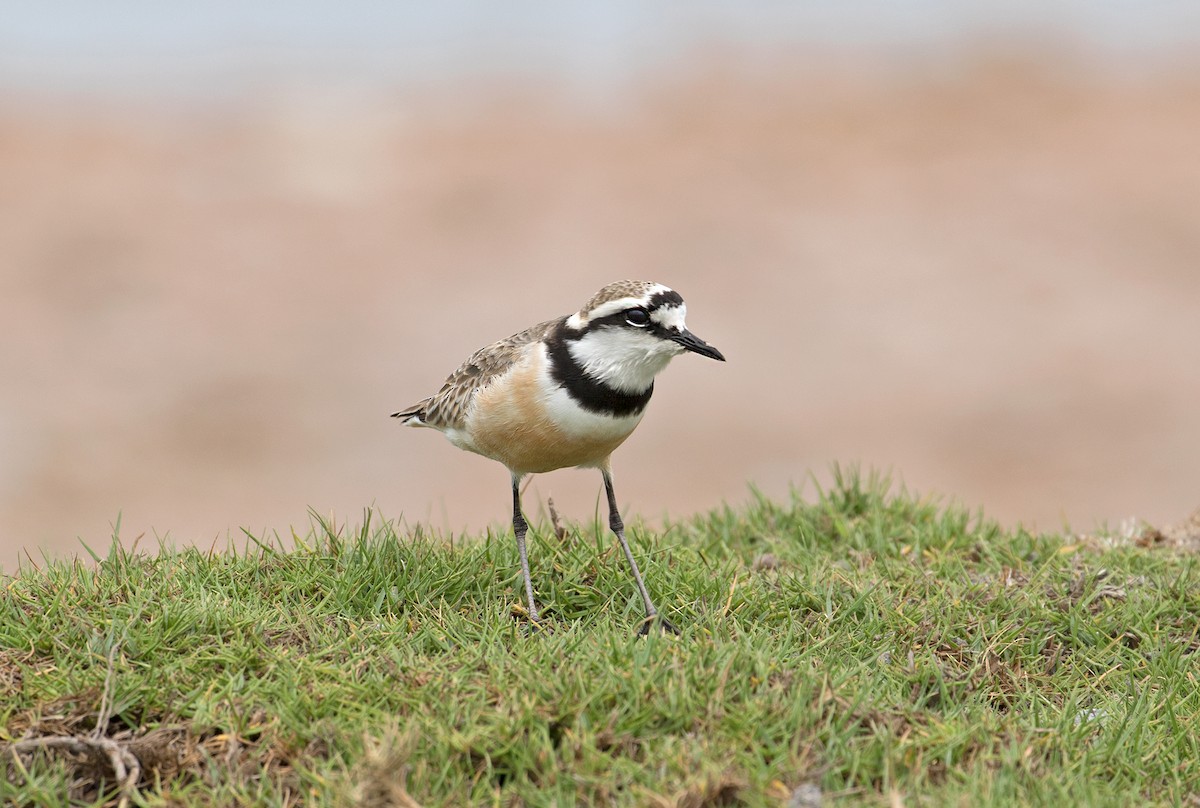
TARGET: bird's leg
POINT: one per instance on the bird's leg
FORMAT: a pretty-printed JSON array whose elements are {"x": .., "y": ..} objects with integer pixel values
[
  {"x": 520, "y": 528},
  {"x": 618, "y": 527}
]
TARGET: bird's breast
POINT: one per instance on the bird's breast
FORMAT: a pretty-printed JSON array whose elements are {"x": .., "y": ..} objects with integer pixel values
[{"x": 530, "y": 423}]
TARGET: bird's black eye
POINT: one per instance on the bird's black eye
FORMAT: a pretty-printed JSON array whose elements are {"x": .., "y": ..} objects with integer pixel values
[{"x": 637, "y": 317}]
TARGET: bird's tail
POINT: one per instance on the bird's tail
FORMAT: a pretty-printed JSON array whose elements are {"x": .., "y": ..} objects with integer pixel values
[{"x": 412, "y": 416}]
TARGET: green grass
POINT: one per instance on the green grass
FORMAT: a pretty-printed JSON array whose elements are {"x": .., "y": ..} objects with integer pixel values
[{"x": 876, "y": 646}]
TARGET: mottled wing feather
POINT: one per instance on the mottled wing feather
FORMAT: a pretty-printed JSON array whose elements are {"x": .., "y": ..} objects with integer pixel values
[{"x": 448, "y": 407}]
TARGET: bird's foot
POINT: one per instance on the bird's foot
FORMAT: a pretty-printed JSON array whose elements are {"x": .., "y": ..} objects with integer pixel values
[
  {"x": 663, "y": 624},
  {"x": 533, "y": 621}
]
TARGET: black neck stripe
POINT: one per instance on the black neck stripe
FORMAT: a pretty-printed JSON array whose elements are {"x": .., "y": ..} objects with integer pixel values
[{"x": 590, "y": 393}]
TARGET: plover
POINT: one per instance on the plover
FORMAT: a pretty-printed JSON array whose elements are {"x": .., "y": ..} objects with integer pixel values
[{"x": 566, "y": 392}]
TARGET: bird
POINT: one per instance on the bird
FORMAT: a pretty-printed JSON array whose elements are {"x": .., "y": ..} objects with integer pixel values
[{"x": 566, "y": 393}]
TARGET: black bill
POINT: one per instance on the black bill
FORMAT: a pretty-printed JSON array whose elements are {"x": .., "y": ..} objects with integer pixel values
[{"x": 696, "y": 345}]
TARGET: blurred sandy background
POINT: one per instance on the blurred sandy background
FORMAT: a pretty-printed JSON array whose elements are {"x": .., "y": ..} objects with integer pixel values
[{"x": 963, "y": 245}]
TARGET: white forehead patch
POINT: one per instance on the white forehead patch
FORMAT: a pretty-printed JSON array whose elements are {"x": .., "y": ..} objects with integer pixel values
[
  {"x": 670, "y": 317},
  {"x": 614, "y": 306}
]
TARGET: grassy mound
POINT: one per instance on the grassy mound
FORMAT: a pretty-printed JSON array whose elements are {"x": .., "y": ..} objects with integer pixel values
[{"x": 868, "y": 647}]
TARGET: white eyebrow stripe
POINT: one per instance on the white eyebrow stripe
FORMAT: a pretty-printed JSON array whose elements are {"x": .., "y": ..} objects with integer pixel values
[{"x": 614, "y": 306}]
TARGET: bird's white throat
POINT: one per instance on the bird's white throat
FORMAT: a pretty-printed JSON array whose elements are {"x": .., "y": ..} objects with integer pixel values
[{"x": 623, "y": 359}]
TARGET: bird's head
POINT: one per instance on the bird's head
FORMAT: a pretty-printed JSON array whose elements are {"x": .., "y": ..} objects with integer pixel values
[{"x": 629, "y": 331}]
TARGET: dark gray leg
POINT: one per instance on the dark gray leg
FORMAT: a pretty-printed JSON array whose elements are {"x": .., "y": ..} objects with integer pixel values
[
  {"x": 520, "y": 528},
  {"x": 618, "y": 527}
]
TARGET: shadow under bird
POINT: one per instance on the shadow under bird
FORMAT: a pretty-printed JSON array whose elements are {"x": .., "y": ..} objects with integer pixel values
[{"x": 566, "y": 392}]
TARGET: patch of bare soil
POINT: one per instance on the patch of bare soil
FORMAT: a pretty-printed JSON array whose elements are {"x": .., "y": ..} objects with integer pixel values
[
  {"x": 111, "y": 761},
  {"x": 1182, "y": 536}
]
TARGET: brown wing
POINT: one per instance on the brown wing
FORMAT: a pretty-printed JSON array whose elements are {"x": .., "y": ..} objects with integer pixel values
[{"x": 448, "y": 407}]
